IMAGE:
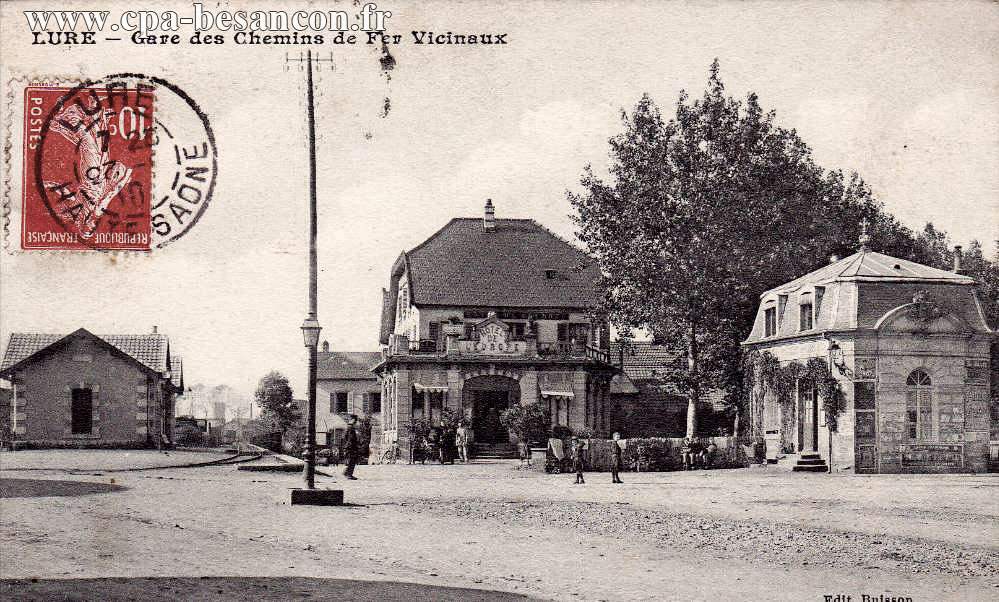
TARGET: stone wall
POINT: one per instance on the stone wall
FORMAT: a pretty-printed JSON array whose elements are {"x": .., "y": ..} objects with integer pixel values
[
  {"x": 126, "y": 400},
  {"x": 960, "y": 411},
  {"x": 588, "y": 408}
]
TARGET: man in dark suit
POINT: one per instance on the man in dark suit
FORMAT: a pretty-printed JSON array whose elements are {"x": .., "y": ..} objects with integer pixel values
[{"x": 351, "y": 447}]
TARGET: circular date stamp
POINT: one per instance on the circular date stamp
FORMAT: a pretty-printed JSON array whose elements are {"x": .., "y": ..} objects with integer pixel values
[{"x": 124, "y": 163}]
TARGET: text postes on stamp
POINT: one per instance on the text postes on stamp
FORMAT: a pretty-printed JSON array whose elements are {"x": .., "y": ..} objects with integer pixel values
[{"x": 123, "y": 163}]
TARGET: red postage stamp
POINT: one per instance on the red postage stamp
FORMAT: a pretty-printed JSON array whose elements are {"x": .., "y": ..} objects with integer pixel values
[{"x": 88, "y": 158}]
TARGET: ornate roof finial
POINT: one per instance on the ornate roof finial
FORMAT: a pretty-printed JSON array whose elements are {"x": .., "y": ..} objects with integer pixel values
[{"x": 865, "y": 238}]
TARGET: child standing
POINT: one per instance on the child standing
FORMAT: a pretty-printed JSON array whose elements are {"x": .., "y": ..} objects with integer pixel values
[
  {"x": 616, "y": 458},
  {"x": 577, "y": 459},
  {"x": 524, "y": 451}
]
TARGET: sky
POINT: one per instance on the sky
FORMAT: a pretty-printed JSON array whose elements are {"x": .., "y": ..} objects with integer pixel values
[{"x": 904, "y": 93}]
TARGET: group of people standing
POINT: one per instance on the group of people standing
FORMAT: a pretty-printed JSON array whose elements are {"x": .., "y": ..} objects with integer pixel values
[
  {"x": 448, "y": 443},
  {"x": 578, "y": 465}
]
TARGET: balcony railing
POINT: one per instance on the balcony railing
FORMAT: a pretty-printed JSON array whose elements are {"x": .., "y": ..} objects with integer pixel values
[{"x": 516, "y": 347}]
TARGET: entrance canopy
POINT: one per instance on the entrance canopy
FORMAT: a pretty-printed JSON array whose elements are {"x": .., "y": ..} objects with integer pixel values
[{"x": 557, "y": 392}]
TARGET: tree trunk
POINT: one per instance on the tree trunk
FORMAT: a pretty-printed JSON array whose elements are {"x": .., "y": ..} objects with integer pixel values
[
  {"x": 694, "y": 395},
  {"x": 735, "y": 426},
  {"x": 830, "y": 450}
]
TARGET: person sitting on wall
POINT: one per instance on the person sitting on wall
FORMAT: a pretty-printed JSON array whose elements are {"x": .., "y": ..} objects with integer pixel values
[
  {"x": 706, "y": 455},
  {"x": 688, "y": 452}
]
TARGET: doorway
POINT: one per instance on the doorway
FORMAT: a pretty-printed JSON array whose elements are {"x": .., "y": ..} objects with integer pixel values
[
  {"x": 488, "y": 397},
  {"x": 809, "y": 417},
  {"x": 487, "y": 408},
  {"x": 82, "y": 412}
]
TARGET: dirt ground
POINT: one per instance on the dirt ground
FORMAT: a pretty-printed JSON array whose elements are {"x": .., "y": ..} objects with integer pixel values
[
  {"x": 754, "y": 534},
  {"x": 97, "y": 459}
]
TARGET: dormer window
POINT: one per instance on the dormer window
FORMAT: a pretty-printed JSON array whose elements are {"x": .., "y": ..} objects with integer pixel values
[
  {"x": 770, "y": 321},
  {"x": 805, "y": 316}
]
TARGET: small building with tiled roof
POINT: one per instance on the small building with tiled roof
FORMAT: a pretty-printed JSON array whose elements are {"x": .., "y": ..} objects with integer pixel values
[
  {"x": 87, "y": 390},
  {"x": 487, "y": 313},
  {"x": 346, "y": 385},
  {"x": 908, "y": 346},
  {"x": 646, "y": 401}
]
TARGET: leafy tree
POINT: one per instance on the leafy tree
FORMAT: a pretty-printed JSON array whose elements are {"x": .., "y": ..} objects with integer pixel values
[
  {"x": 703, "y": 212},
  {"x": 274, "y": 395},
  {"x": 529, "y": 422}
]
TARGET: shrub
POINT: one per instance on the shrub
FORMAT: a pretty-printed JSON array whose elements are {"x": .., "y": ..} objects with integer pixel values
[
  {"x": 529, "y": 422},
  {"x": 650, "y": 455},
  {"x": 560, "y": 431}
]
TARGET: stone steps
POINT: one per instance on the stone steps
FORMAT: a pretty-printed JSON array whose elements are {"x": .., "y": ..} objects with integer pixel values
[
  {"x": 494, "y": 451},
  {"x": 810, "y": 462}
]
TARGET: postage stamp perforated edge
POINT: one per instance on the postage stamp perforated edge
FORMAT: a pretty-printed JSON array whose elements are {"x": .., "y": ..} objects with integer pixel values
[{"x": 11, "y": 207}]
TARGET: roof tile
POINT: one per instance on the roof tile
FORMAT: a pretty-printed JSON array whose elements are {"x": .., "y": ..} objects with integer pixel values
[
  {"x": 151, "y": 350},
  {"x": 348, "y": 365},
  {"x": 518, "y": 264}
]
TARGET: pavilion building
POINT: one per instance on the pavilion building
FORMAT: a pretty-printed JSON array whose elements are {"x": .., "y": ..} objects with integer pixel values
[
  {"x": 909, "y": 346},
  {"x": 488, "y": 313}
]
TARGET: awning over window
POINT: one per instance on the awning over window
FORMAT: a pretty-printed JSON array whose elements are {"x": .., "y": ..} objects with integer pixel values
[
  {"x": 557, "y": 384},
  {"x": 556, "y": 390},
  {"x": 431, "y": 388}
]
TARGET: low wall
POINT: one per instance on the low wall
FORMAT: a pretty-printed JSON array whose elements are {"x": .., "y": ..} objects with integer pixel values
[
  {"x": 662, "y": 454},
  {"x": 80, "y": 444}
]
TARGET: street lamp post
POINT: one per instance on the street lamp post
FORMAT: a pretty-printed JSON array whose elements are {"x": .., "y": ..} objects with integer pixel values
[{"x": 310, "y": 327}]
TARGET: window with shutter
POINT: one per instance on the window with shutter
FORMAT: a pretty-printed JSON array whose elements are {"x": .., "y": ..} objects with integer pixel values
[
  {"x": 805, "y": 317},
  {"x": 365, "y": 403},
  {"x": 770, "y": 322},
  {"x": 376, "y": 403},
  {"x": 341, "y": 402}
]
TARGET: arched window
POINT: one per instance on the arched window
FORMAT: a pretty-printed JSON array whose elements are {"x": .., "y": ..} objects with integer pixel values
[{"x": 919, "y": 406}]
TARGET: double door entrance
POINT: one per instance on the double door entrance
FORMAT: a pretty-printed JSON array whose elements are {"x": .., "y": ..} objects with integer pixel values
[{"x": 487, "y": 407}]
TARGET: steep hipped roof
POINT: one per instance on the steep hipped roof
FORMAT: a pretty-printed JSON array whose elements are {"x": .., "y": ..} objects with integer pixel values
[
  {"x": 876, "y": 267},
  {"x": 517, "y": 264},
  {"x": 150, "y": 350},
  {"x": 348, "y": 365}
]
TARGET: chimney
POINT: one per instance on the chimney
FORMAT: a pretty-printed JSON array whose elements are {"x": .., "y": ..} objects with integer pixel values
[
  {"x": 154, "y": 329},
  {"x": 957, "y": 259},
  {"x": 326, "y": 346},
  {"x": 489, "y": 219}
]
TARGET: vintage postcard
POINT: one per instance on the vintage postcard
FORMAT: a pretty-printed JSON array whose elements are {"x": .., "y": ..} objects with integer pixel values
[{"x": 520, "y": 299}]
